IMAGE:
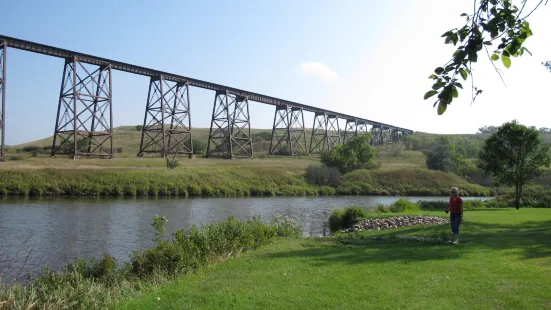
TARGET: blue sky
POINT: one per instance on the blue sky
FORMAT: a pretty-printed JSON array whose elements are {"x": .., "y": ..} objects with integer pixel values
[{"x": 366, "y": 58}]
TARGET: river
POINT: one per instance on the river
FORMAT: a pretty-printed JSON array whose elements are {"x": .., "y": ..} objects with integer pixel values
[{"x": 35, "y": 233}]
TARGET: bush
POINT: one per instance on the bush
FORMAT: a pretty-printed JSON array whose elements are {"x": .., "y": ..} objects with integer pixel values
[
  {"x": 199, "y": 147},
  {"x": 356, "y": 153},
  {"x": 335, "y": 220},
  {"x": 119, "y": 149},
  {"x": 403, "y": 205},
  {"x": 172, "y": 163},
  {"x": 34, "y": 153},
  {"x": 323, "y": 176},
  {"x": 448, "y": 157},
  {"x": 194, "y": 248},
  {"x": 139, "y": 127},
  {"x": 32, "y": 148},
  {"x": 345, "y": 218}
]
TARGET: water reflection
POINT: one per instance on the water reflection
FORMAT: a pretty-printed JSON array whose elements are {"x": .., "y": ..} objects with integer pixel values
[{"x": 60, "y": 230}]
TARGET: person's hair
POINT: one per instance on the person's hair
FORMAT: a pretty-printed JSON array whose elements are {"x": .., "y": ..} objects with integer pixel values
[{"x": 455, "y": 190}]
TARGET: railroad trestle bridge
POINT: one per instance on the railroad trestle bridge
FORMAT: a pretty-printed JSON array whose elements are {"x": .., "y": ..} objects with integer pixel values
[{"x": 84, "y": 121}]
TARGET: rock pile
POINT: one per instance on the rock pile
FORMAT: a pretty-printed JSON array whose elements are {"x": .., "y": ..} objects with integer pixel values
[{"x": 395, "y": 222}]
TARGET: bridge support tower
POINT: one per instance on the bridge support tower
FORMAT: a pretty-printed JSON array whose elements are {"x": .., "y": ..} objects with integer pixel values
[
  {"x": 325, "y": 132},
  {"x": 167, "y": 122},
  {"x": 288, "y": 135},
  {"x": 230, "y": 129},
  {"x": 84, "y": 121},
  {"x": 350, "y": 130},
  {"x": 3, "y": 56}
]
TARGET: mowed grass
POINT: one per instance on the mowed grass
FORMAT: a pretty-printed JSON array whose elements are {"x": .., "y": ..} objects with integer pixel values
[{"x": 503, "y": 261}]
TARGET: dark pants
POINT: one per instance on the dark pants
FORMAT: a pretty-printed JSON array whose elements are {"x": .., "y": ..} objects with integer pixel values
[{"x": 455, "y": 220}]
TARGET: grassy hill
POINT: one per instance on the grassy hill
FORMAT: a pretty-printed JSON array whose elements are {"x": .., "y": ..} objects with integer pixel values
[{"x": 128, "y": 138}]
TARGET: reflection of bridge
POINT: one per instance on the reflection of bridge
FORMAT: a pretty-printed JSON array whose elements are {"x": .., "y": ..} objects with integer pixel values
[{"x": 84, "y": 121}]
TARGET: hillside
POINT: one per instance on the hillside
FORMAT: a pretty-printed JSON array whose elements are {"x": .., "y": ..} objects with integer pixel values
[{"x": 128, "y": 138}]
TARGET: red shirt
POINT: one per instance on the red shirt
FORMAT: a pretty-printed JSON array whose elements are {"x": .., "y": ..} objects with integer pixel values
[{"x": 455, "y": 205}]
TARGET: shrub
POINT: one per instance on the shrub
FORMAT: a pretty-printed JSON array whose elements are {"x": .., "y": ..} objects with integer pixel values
[
  {"x": 119, "y": 149},
  {"x": 345, "y": 218},
  {"x": 139, "y": 127},
  {"x": 31, "y": 148},
  {"x": 335, "y": 220},
  {"x": 323, "y": 176},
  {"x": 447, "y": 156},
  {"x": 199, "y": 147},
  {"x": 381, "y": 208},
  {"x": 352, "y": 215},
  {"x": 34, "y": 153},
  {"x": 15, "y": 157},
  {"x": 172, "y": 163},
  {"x": 404, "y": 205},
  {"x": 356, "y": 153}
]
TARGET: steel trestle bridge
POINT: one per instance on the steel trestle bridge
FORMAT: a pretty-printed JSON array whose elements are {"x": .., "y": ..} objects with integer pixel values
[{"x": 84, "y": 121}]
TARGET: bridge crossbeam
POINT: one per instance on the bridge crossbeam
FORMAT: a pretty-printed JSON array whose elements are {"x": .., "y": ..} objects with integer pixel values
[{"x": 84, "y": 121}]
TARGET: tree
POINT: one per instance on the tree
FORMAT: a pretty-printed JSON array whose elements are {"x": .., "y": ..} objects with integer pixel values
[
  {"x": 491, "y": 20},
  {"x": 447, "y": 156},
  {"x": 514, "y": 155},
  {"x": 356, "y": 153}
]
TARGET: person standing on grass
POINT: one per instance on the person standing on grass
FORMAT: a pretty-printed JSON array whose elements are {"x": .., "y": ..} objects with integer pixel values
[{"x": 456, "y": 213}]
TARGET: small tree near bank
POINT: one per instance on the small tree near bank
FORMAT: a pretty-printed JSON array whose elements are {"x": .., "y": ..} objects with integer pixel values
[
  {"x": 447, "y": 156},
  {"x": 356, "y": 153},
  {"x": 514, "y": 155}
]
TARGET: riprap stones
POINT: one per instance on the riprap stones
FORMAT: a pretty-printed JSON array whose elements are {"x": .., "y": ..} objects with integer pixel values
[{"x": 396, "y": 221}]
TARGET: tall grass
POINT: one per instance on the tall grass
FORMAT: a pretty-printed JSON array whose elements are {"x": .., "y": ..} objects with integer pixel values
[
  {"x": 95, "y": 285},
  {"x": 406, "y": 181},
  {"x": 226, "y": 182}
]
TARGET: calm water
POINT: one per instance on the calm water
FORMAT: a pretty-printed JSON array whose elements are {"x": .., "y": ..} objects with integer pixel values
[{"x": 53, "y": 232}]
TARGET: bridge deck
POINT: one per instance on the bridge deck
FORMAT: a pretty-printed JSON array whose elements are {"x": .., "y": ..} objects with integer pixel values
[{"x": 121, "y": 66}]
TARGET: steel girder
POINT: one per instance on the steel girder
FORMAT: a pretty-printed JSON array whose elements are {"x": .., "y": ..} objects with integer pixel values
[
  {"x": 3, "y": 56},
  {"x": 325, "y": 133},
  {"x": 288, "y": 131},
  {"x": 86, "y": 125},
  {"x": 167, "y": 121},
  {"x": 230, "y": 129}
]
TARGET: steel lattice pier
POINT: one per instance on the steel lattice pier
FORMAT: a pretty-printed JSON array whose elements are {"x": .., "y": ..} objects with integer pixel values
[
  {"x": 167, "y": 121},
  {"x": 84, "y": 121},
  {"x": 230, "y": 129}
]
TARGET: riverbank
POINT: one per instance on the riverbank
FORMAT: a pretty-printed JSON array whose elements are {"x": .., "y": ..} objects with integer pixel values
[
  {"x": 218, "y": 178},
  {"x": 503, "y": 261}
]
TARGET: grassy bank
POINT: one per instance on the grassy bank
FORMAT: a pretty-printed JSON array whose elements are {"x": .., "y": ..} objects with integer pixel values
[
  {"x": 95, "y": 285},
  {"x": 502, "y": 262},
  {"x": 253, "y": 180}
]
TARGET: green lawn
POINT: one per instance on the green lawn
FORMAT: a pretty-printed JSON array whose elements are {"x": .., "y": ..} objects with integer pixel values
[{"x": 503, "y": 261}]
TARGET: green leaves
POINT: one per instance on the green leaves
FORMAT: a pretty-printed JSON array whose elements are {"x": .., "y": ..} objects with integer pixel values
[
  {"x": 439, "y": 70},
  {"x": 506, "y": 61},
  {"x": 430, "y": 93},
  {"x": 463, "y": 74},
  {"x": 493, "y": 20},
  {"x": 442, "y": 108}
]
